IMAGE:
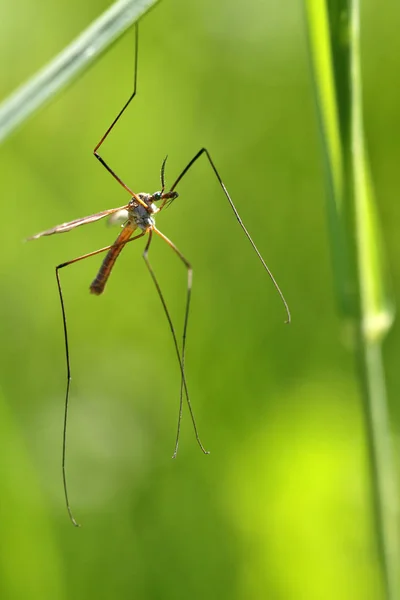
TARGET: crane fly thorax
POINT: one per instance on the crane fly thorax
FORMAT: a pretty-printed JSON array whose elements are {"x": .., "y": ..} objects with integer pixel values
[{"x": 143, "y": 217}]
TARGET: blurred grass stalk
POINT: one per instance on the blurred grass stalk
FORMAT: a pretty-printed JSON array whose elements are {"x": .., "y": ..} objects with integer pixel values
[
  {"x": 359, "y": 270},
  {"x": 65, "y": 67}
]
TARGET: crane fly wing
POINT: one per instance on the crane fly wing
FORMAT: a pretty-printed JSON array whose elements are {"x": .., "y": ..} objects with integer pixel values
[{"x": 78, "y": 222}]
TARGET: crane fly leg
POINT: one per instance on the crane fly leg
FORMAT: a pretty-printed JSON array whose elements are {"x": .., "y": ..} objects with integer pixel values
[
  {"x": 264, "y": 264},
  {"x": 181, "y": 358},
  {"x": 68, "y": 364}
]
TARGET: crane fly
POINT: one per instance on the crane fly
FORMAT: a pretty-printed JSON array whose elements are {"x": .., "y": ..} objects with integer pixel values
[{"x": 139, "y": 214}]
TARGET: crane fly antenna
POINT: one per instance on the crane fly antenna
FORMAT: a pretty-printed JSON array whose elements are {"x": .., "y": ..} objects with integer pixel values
[
  {"x": 185, "y": 170},
  {"x": 163, "y": 174},
  {"x": 181, "y": 357}
]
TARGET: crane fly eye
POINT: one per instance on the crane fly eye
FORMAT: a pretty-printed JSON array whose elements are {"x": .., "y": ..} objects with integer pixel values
[{"x": 157, "y": 196}]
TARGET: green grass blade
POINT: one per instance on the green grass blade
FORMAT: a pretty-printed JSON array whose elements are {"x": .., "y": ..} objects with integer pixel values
[
  {"x": 74, "y": 59},
  {"x": 376, "y": 306},
  {"x": 325, "y": 86},
  {"x": 359, "y": 268}
]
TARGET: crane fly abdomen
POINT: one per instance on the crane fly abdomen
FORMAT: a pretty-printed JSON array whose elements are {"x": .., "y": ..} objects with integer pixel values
[
  {"x": 98, "y": 284},
  {"x": 139, "y": 216}
]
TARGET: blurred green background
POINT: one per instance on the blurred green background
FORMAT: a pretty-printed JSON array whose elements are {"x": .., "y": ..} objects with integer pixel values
[{"x": 281, "y": 507}]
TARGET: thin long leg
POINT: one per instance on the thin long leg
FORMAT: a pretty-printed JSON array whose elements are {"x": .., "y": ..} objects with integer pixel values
[
  {"x": 64, "y": 317},
  {"x": 172, "y": 329},
  {"x": 185, "y": 170},
  {"x": 127, "y": 103},
  {"x": 185, "y": 324}
]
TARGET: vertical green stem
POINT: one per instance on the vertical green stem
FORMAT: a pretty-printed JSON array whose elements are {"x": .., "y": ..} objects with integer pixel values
[
  {"x": 359, "y": 268},
  {"x": 381, "y": 463},
  {"x": 375, "y": 317}
]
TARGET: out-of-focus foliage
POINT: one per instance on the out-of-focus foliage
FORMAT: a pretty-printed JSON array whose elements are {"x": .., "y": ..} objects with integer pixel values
[{"x": 280, "y": 508}]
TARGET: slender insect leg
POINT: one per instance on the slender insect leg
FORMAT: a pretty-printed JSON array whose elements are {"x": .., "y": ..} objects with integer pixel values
[
  {"x": 183, "y": 349},
  {"x": 171, "y": 326},
  {"x": 97, "y": 155},
  {"x": 185, "y": 170},
  {"x": 64, "y": 317}
]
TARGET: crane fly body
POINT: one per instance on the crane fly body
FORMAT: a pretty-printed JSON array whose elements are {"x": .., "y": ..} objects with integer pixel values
[
  {"x": 139, "y": 220},
  {"x": 138, "y": 214}
]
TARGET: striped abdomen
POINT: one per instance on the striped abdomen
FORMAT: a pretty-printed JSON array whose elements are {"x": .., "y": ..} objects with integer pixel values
[{"x": 98, "y": 284}]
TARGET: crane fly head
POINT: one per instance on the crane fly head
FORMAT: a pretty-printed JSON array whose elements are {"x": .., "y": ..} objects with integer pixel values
[{"x": 167, "y": 197}]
